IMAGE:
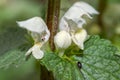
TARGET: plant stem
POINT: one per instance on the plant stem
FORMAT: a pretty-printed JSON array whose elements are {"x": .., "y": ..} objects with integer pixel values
[
  {"x": 45, "y": 74},
  {"x": 56, "y": 16},
  {"x": 52, "y": 23},
  {"x": 53, "y": 19}
]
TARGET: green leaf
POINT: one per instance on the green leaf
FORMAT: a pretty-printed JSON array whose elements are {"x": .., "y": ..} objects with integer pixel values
[
  {"x": 63, "y": 69},
  {"x": 12, "y": 38},
  {"x": 13, "y": 58},
  {"x": 99, "y": 61}
]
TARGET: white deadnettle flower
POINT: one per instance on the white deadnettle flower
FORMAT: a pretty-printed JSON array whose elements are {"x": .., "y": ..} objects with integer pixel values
[
  {"x": 79, "y": 37},
  {"x": 62, "y": 41},
  {"x": 73, "y": 21},
  {"x": 74, "y": 28},
  {"x": 75, "y": 13},
  {"x": 39, "y": 32}
]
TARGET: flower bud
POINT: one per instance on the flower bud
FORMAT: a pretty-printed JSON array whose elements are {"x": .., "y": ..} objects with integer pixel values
[
  {"x": 62, "y": 40},
  {"x": 79, "y": 38}
]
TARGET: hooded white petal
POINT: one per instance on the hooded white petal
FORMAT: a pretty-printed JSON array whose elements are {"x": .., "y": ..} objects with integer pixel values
[
  {"x": 37, "y": 27},
  {"x": 35, "y": 24},
  {"x": 86, "y": 7},
  {"x": 79, "y": 38},
  {"x": 62, "y": 40},
  {"x": 75, "y": 13}
]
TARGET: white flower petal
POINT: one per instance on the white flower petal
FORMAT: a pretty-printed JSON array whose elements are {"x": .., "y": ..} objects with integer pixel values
[
  {"x": 75, "y": 13},
  {"x": 62, "y": 40},
  {"x": 63, "y": 25},
  {"x": 36, "y": 52},
  {"x": 86, "y": 7},
  {"x": 79, "y": 38},
  {"x": 72, "y": 14},
  {"x": 47, "y": 35},
  {"x": 80, "y": 23},
  {"x": 37, "y": 27},
  {"x": 35, "y": 24},
  {"x": 28, "y": 52}
]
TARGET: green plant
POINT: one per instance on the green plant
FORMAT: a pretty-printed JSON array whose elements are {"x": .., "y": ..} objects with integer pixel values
[{"x": 88, "y": 58}]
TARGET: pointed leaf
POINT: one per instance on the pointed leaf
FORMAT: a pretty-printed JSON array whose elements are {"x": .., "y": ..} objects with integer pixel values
[
  {"x": 62, "y": 69},
  {"x": 12, "y": 58},
  {"x": 99, "y": 60}
]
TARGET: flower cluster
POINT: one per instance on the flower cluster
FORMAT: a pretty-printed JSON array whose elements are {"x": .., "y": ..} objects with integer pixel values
[
  {"x": 71, "y": 25},
  {"x": 68, "y": 32}
]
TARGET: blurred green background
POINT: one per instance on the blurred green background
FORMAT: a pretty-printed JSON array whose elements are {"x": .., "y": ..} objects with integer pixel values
[{"x": 107, "y": 24}]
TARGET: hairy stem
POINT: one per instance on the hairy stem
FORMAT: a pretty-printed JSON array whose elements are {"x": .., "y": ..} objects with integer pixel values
[
  {"x": 52, "y": 23},
  {"x": 56, "y": 16},
  {"x": 53, "y": 19}
]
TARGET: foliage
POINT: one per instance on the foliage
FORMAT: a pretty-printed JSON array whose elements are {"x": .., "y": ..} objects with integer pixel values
[
  {"x": 99, "y": 59},
  {"x": 99, "y": 62},
  {"x": 62, "y": 69},
  {"x": 11, "y": 38},
  {"x": 12, "y": 58}
]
